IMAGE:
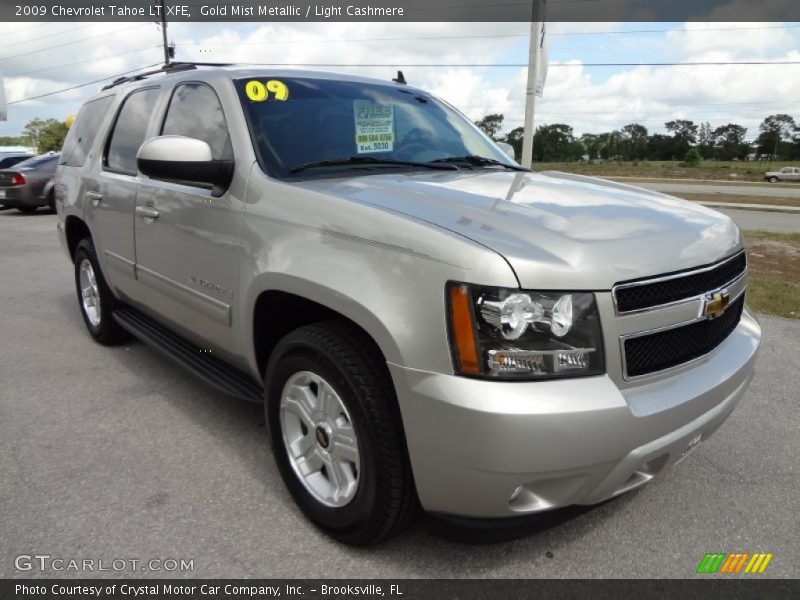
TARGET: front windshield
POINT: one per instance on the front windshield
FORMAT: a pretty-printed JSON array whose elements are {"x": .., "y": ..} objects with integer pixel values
[{"x": 297, "y": 122}]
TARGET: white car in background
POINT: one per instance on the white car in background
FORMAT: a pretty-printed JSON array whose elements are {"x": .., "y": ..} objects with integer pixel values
[{"x": 785, "y": 174}]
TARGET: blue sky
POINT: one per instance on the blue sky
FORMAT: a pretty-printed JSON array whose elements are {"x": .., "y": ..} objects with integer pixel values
[{"x": 48, "y": 58}]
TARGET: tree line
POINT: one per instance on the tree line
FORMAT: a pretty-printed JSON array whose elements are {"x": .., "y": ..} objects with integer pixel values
[
  {"x": 44, "y": 135},
  {"x": 779, "y": 138}
]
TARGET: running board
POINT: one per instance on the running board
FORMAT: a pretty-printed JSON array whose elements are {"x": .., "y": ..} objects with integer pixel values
[{"x": 214, "y": 371}]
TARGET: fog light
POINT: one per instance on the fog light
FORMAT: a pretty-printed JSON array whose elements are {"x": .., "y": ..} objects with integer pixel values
[
  {"x": 538, "y": 362},
  {"x": 571, "y": 359},
  {"x": 517, "y": 361}
]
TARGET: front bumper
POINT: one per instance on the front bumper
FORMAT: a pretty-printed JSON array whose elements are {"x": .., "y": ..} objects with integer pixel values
[{"x": 497, "y": 449}]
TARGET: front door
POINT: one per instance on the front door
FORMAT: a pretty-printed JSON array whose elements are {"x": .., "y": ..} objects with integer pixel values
[{"x": 187, "y": 239}]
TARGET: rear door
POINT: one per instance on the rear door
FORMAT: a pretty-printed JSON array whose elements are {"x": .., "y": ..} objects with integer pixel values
[
  {"x": 110, "y": 195},
  {"x": 187, "y": 257}
]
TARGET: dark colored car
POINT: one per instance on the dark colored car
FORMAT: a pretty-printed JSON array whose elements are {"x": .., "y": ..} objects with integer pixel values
[
  {"x": 9, "y": 160},
  {"x": 29, "y": 184}
]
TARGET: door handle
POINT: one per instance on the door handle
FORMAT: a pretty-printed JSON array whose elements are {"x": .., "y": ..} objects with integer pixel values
[
  {"x": 95, "y": 197},
  {"x": 148, "y": 212}
]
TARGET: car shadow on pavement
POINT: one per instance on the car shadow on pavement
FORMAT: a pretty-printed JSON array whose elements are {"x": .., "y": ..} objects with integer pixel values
[
  {"x": 13, "y": 212},
  {"x": 499, "y": 531}
]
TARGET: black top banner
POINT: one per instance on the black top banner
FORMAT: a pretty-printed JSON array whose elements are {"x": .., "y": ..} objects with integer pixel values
[{"x": 401, "y": 10}]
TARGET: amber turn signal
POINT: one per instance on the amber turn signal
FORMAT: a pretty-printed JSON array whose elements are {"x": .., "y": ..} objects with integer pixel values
[{"x": 463, "y": 331}]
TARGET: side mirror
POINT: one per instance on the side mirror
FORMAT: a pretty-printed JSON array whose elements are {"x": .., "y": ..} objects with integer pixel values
[
  {"x": 184, "y": 160},
  {"x": 508, "y": 149}
]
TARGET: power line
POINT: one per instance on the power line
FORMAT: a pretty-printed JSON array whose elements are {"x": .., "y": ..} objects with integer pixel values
[
  {"x": 628, "y": 31},
  {"x": 680, "y": 64},
  {"x": 484, "y": 36},
  {"x": 49, "y": 35},
  {"x": 75, "y": 87},
  {"x": 80, "y": 62},
  {"x": 92, "y": 37},
  {"x": 679, "y": 102},
  {"x": 28, "y": 28},
  {"x": 381, "y": 39},
  {"x": 516, "y": 65},
  {"x": 435, "y": 65}
]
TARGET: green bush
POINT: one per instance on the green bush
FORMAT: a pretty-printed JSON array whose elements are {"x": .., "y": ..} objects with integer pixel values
[{"x": 692, "y": 158}]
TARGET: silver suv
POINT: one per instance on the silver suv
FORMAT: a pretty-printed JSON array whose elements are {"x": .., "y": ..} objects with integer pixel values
[{"x": 428, "y": 324}]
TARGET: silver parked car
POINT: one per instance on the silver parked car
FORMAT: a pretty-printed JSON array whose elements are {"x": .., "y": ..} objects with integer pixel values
[
  {"x": 427, "y": 323},
  {"x": 785, "y": 174},
  {"x": 29, "y": 184}
]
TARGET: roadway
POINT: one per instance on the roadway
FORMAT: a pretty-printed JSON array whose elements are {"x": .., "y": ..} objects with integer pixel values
[{"x": 763, "y": 190}]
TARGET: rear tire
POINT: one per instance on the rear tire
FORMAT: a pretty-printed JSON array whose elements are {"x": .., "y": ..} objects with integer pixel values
[
  {"x": 95, "y": 299},
  {"x": 333, "y": 364},
  {"x": 51, "y": 202},
  {"x": 27, "y": 209}
]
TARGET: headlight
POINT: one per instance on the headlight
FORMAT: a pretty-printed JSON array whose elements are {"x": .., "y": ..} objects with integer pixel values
[{"x": 512, "y": 334}]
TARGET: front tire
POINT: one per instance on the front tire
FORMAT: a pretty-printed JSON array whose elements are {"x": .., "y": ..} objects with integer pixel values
[
  {"x": 773, "y": 179},
  {"x": 337, "y": 435},
  {"x": 95, "y": 299}
]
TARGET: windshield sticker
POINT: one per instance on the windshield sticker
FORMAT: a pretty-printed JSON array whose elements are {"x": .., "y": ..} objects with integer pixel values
[
  {"x": 272, "y": 90},
  {"x": 374, "y": 126}
]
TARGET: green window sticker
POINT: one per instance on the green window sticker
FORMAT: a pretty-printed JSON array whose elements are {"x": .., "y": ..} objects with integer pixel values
[{"x": 374, "y": 126}]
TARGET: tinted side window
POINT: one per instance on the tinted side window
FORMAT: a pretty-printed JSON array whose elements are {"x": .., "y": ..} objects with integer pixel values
[
  {"x": 195, "y": 111},
  {"x": 130, "y": 129},
  {"x": 84, "y": 131}
]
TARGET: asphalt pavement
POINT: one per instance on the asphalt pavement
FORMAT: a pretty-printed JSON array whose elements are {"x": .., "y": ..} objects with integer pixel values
[
  {"x": 113, "y": 453},
  {"x": 780, "y": 222},
  {"x": 765, "y": 190}
]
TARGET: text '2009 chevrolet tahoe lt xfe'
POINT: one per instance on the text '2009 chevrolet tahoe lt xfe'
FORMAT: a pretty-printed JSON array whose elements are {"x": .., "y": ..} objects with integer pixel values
[{"x": 427, "y": 323}]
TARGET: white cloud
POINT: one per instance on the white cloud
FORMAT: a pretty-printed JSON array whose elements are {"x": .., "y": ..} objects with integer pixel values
[{"x": 588, "y": 99}]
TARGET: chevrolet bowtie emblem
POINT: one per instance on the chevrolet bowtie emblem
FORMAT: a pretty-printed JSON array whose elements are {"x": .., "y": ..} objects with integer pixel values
[{"x": 716, "y": 304}]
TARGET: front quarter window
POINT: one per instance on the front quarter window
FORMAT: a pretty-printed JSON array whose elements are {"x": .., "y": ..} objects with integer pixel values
[{"x": 305, "y": 121}]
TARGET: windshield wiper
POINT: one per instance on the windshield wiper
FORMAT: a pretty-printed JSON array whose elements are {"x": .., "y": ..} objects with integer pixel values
[
  {"x": 371, "y": 160},
  {"x": 481, "y": 161}
]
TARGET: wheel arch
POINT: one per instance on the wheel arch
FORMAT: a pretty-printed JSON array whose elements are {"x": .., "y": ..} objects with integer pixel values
[
  {"x": 297, "y": 303},
  {"x": 75, "y": 229}
]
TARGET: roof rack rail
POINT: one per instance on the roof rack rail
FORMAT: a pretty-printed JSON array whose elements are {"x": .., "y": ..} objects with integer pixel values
[{"x": 171, "y": 67}]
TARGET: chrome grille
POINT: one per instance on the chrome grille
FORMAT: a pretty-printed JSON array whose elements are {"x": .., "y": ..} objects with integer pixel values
[
  {"x": 662, "y": 350},
  {"x": 649, "y": 293}
]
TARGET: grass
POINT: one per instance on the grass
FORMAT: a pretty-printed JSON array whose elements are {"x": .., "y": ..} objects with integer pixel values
[
  {"x": 710, "y": 170},
  {"x": 793, "y": 239},
  {"x": 773, "y": 286},
  {"x": 773, "y": 297}
]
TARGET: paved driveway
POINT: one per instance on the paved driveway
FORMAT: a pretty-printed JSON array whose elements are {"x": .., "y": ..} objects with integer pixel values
[{"x": 114, "y": 453}]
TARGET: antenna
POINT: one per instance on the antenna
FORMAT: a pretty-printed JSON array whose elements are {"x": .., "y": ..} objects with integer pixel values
[{"x": 400, "y": 78}]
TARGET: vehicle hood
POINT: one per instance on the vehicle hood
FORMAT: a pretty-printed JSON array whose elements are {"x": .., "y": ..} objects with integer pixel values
[{"x": 556, "y": 230}]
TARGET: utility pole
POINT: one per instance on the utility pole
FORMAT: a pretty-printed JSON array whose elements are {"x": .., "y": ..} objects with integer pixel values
[
  {"x": 164, "y": 33},
  {"x": 530, "y": 90}
]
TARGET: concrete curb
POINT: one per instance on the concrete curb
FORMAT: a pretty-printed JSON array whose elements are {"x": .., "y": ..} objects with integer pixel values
[{"x": 795, "y": 210}]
